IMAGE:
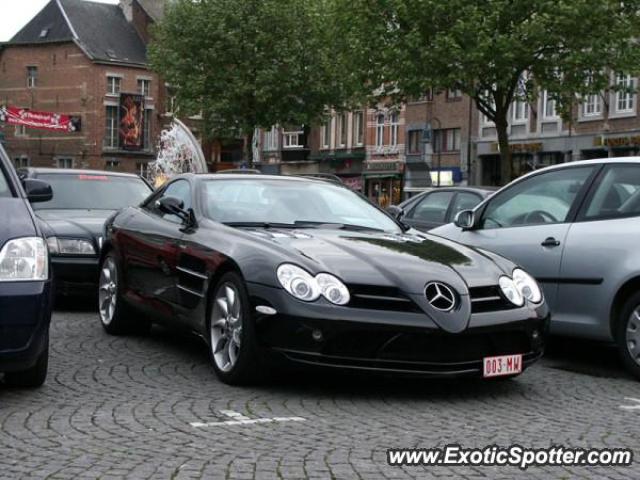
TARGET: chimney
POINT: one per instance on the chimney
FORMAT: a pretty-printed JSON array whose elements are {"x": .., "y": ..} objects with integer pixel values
[{"x": 127, "y": 9}]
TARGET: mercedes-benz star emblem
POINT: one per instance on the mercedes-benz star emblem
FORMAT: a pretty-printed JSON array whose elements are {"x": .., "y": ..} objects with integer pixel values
[{"x": 440, "y": 296}]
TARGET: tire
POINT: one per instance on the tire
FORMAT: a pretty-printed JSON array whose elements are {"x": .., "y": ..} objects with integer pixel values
[
  {"x": 32, "y": 377},
  {"x": 628, "y": 334},
  {"x": 114, "y": 312},
  {"x": 232, "y": 339}
]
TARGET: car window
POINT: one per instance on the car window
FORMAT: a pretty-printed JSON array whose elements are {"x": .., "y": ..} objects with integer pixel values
[
  {"x": 543, "y": 198},
  {"x": 617, "y": 194},
  {"x": 5, "y": 191},
  {"x": 432, "y": 208},
  {"x": 180, "y": 189},
  {"x": 464, "y": 201}
]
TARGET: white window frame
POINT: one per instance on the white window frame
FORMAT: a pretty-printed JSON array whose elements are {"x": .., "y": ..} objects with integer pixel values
[
  {"x": 519, "y": 112},
  {"x": 592, "y": 105},
  {"x": 20, "y": 131},
  {"x": 270, "y": 139},
  {"x": 358, "y": 128},
  {"x": 325, "y": 134},
  {"x": 112, "y": 82},
  {"x": 394, "y": 128},
  {"x": 546, "y": 101},
  {"x": 61, "y": 162},
  {"x": 454, "y": 93},
  {"x": 380, "y": 130},
  {"x": 144, "y": 86},
  {"x": 111, "y": 133},
  {"x": 342, "y": 133},
  {"x": 625, "y": 99},
  {"x": 21, "y": 161},
  {"x": 32, "y": 80},
  {"x": 290, "y": 136}
]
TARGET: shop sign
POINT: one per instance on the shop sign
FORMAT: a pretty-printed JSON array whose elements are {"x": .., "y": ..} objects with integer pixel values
[
  {"x": 383, "y": 167},
  {"x": 520, "y": 147},
  {"x": 616, "y": 141},
  {"x": 40, "y": 120}
]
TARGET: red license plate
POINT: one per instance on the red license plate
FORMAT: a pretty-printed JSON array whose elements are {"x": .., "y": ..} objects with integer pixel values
[{"x": 502, "y": 365}]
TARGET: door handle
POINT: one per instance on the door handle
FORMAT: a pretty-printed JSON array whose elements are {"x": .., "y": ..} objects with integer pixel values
[{"x": 550, "y": 242}]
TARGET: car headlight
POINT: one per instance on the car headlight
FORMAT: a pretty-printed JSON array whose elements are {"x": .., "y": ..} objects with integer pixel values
[
  {"x": 511, "y": 291},
  {"x": 24, "y": 259},
  {"x": 304, "y": 286},
  {"x": 70, "y": 246},
  {"x": 527, "y": 285},
  {"x": 298, "y": 282},
  {"x": 333, "y": 289}
]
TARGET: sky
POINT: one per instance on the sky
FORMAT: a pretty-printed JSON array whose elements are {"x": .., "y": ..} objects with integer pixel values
[{"x": 16, "y": 13}]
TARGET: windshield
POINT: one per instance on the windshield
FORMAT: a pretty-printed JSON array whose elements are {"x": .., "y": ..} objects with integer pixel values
[
  {"x": 290, "y": 203},
  {"x": 5, "y": 191},
  {"x": 92, "y": 192}
]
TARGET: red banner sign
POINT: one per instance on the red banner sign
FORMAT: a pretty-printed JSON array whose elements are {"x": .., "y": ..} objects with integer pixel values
[
  {"x": 41, "y": 120},
  {"x": 131, "y": 121}
]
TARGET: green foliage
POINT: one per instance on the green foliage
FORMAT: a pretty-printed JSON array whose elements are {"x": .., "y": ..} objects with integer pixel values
[
  {"x": 243, "y": 64},
  {"x": 486, "y": 48}
]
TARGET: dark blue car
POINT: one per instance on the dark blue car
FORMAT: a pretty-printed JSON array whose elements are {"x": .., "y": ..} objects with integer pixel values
[{"x": 25, "y": 281}]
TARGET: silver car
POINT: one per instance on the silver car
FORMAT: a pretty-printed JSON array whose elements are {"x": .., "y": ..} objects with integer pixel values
[{"x": 576, "y": 228}]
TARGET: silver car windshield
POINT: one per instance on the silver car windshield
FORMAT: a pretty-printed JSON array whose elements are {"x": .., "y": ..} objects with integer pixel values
[{"x": 290, "y": 203}]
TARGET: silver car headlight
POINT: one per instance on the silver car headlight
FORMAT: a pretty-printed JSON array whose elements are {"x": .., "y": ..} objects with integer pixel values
[
  {"x": 527, "y": 286},
  {"x": 70, "y": 246},
  {"x": 298, "y": 282},
  {"x": 24, "y": 259},
  {"x": 511, "y": 291},
  {"x": 333, "y": 289},
  {"x": 304, "y": 286}
]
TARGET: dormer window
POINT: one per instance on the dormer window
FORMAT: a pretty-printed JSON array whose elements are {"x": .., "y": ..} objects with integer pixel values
[{"x": 44, "y": 32}]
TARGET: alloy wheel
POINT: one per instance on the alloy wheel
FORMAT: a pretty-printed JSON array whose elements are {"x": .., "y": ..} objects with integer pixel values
[
  {"x": 633, "y": 335},
  {"x": 226, "y": 327},
  {"x": 108, "y": 291}
]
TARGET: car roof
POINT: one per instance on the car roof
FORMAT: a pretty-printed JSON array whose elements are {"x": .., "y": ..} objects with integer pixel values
[{"x": 77, "y": 171}]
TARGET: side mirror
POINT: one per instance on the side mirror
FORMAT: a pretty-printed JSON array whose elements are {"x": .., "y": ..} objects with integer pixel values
[
  {"x": 396, "y": 212},
  {"x": 171, "y": 206},
  {"x": 465, "y": 219},
  {"x": 37, "y": 190}
]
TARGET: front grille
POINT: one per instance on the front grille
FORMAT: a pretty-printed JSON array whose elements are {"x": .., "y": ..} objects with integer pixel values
[
  {"x": 373, "y": 297},
  {"x": 488, "y": 299}
]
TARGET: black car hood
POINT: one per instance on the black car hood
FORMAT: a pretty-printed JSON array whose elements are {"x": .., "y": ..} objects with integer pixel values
[
  {"x": 74, "y": 223},
  {"x": 406, "y": 261},
  {"x": 15, "y": 220}
]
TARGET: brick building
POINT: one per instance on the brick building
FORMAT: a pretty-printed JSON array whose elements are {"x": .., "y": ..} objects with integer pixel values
[{"x": 76, "y": 57}]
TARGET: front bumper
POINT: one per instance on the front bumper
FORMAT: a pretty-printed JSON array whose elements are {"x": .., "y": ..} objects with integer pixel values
[
  {"x": 401, "y": 342},
  {"x": 25, "y": 315},
  {"x": 74, "y": 275}
]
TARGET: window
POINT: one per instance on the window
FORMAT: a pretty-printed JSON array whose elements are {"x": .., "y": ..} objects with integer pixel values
[
  {"x": 144, "y": 86},
  {"x": 617, "y": 195},
  {"x": 446, "y": 140},
  {"x": 113, "y": 85},
  {"x": 270, "y": 140},
  {"x": 395, "y": 126},
  {"x": 326, "y": 134},
  {"x": 181, "y": 190},
  {"x": 625, "y": 96},
  {"x": 543, "y": 198},
  {"x": 32, "y": 77},
  {"x": 111, "y": 128},
  {"x": 20, "y": 131},
  {"x": 342, "y": 129},
  {"x": 453, "y": 94},
  {"x": 142, "y": 168},
  {"x": 433, "y": 208},
  {"x": 415, "y": 140},
  {"x": 464, "y": 201},
  {"x": 64, "y": 162},
  {"x": 427, "y": 96},
  {"x": 591, "y": 106},
  {"x": 112, "y": 164},
  {"x": 358, "y": 128},
  {"x": 380, "y": 130},
  {"x": 293, "y": 139},
  {"x": 146, "y": 129},
  {"x": 21, "y": 162},
  {"x": 520, "y": 111},
  {"x": 548, "y": 106}
]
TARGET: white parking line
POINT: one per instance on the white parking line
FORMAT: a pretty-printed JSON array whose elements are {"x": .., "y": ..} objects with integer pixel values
[
  {"x": 240, "y": 419},
  {"x": 631, "y": 407}
]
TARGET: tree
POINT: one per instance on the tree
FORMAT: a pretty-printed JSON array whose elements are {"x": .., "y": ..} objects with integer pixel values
[
  {"x": 495, "y": 51},
  {"x": 243, "y": 64}
]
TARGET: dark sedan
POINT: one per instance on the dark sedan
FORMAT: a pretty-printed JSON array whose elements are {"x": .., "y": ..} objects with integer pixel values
[
  {"x": 439, "y": 206},
  {"x": 311, "y": 271},
  {"x": 73, "y": 220},
  {"x": 25, "y": 282}
]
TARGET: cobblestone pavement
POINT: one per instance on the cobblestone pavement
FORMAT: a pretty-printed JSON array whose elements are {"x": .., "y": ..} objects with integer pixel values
[{"x": 123, "y": 407}]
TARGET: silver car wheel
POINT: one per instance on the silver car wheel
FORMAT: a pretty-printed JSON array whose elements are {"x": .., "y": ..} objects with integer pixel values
[
  {"x": 633, "y": 335},
  {"x": 226, "y": 327},
  {"x": 108, "y": 291}
]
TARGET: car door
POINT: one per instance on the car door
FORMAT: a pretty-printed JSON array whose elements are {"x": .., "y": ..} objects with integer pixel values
[
  {"x": 528, "y": 222},
  {"x": 601, "y": 252},
  {"x": 152, "y": 248},
  {"x": 430, "y": 211}
]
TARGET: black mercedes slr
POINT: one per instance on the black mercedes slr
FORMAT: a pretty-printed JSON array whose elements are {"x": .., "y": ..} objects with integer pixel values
[{"x": 308, "y": 270}]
